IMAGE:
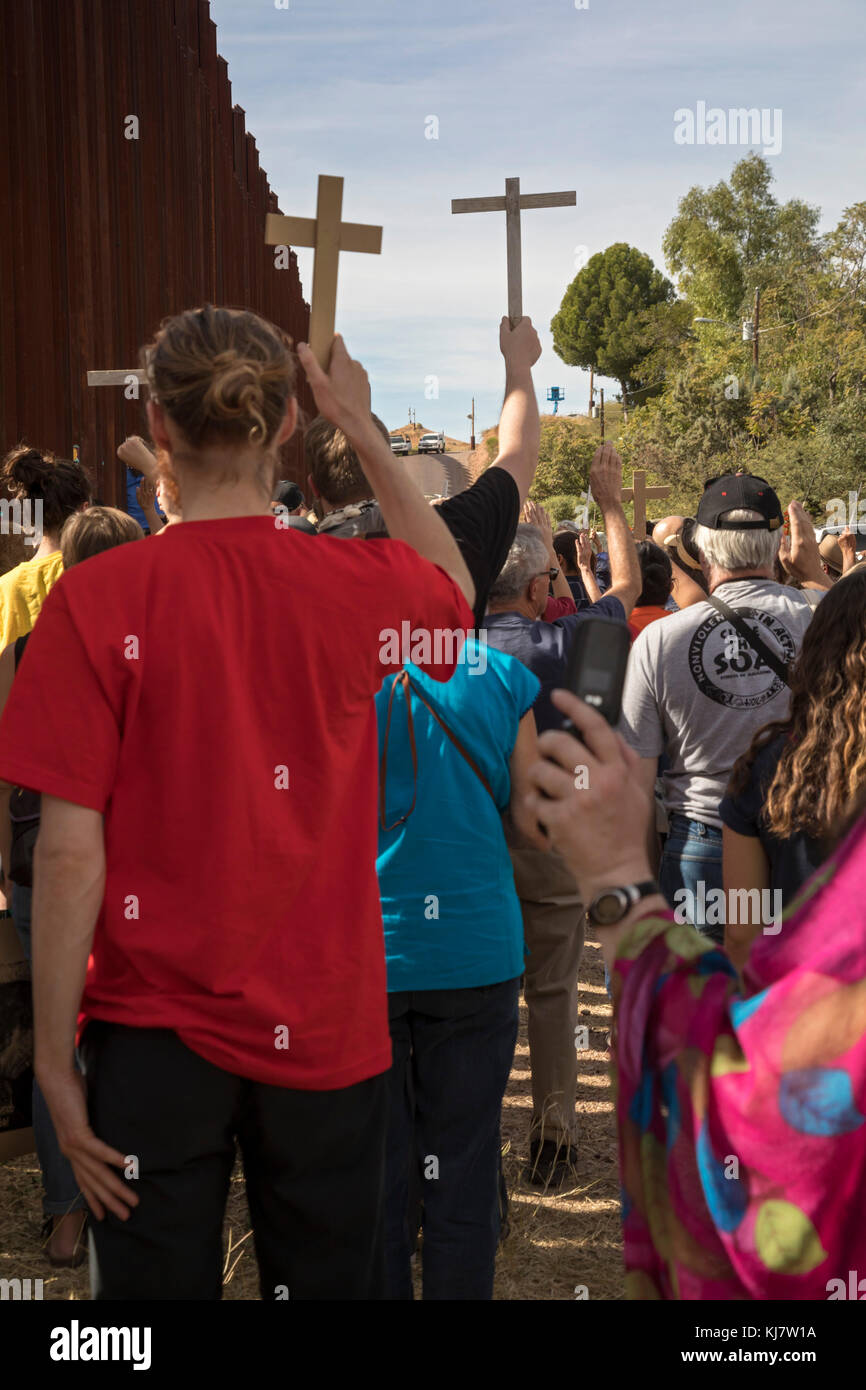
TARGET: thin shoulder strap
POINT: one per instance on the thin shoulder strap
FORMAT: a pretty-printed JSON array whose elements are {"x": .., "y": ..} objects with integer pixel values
[
  {"x": 454, "y": 739},
  {"x": 751, "y": 638},
  {"x": 406, "y": 683}
]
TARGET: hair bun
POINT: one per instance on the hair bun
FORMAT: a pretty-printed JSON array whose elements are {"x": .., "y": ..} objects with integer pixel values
[
  {"x": 25, "y": 469},
  {"x": 236, "y": 392},
  {"x": 223, "y": 375}
]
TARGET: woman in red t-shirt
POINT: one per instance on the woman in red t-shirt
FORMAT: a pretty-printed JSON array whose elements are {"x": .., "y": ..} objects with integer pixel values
[{"x": 205, "y": 884}]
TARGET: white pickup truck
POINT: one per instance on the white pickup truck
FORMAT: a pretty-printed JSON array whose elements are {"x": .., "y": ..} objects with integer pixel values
[
  {"x": 432, "y": 443},
  {"x": 400, "y": 444}
]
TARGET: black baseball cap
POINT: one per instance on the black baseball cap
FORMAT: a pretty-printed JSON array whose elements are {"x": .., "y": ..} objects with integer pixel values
[{"x": 733, "y": 491}]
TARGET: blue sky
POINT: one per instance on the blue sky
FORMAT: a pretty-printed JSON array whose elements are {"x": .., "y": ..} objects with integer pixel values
[{"x": 560, "y": 97}]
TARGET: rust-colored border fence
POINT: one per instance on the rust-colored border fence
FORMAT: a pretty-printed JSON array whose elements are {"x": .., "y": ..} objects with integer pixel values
[{"x": 102, "y": 235}]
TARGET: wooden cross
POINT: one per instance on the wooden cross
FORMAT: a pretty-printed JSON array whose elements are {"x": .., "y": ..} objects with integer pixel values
[
  {"x": 329, "y": 235},
  {"x": 511, "y": 205},
  {"x": 118, "y": 378},
  {"x": 638, "y": 493}
]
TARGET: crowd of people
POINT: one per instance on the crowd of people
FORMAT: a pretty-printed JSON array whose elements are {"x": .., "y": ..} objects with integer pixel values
[{"x": 290, "y": 821}]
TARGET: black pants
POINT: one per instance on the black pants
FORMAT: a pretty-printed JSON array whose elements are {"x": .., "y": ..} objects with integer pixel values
[
  {"x": 453, "y": 1050},
  {"x": 313, "y": 1161}
]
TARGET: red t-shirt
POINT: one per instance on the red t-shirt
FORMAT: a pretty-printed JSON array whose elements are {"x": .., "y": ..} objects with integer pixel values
[
  {"x": 642, "y": 617},
  {"x": 211, "y": 692}
]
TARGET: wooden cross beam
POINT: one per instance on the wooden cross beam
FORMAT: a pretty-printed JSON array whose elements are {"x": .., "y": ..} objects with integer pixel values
[
  {"x": 512, "y": 205},
  {"x": 329, "y": 235},
  {"x": 638, "y": 493},
  {"x": 118, "y": 378}
]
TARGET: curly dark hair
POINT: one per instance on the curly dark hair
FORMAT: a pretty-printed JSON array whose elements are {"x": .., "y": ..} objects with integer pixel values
[
  {"x": 61, "y": 485},
  {"x": 822, "y": 771}
]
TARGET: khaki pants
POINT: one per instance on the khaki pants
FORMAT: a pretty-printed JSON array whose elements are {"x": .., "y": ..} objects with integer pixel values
[{"x": 553, "y": 924}]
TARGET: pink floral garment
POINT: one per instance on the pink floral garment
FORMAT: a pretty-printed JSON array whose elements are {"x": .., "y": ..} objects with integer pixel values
[{"x": 742, "y": 1119}]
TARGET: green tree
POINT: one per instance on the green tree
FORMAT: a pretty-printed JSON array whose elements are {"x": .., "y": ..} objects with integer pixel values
[
  {"x": 602, "y": 322},
  {"x": 564, "y": 454},
  {"x": 731, "y": 239},
  {"x": 563, "y": 507},
  {"x": 800, "y": 419}
]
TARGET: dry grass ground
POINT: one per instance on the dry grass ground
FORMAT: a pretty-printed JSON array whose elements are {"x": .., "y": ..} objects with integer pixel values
[{"x": 558, "y": 1242}]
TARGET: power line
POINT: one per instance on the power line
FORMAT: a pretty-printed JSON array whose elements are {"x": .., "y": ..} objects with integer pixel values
[
  {"x": 818, "y": 314},
  {"x": 638, "y": 390},
  {"x": 773, "y": 328}
]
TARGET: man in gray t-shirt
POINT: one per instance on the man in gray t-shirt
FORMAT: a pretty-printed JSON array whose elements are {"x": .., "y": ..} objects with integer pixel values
[{"x": 696, "y": 691}]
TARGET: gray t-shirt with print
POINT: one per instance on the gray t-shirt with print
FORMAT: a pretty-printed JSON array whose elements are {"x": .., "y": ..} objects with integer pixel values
[{"x": 696, "y": 692}]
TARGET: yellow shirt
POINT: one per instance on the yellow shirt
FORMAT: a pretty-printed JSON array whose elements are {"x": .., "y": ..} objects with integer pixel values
[{"x": 23, "y": 590}]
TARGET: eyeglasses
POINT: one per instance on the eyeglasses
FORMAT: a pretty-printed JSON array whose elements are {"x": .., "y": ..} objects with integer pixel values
[{"x": 551, "y": 574}]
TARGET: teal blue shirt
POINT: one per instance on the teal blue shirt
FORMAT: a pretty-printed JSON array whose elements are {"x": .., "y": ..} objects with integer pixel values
[{"x": 451, "y": 913}]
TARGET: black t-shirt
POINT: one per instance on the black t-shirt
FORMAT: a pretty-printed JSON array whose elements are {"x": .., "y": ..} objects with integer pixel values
[
  {"x": 793, "y": 860},
  {"x": 483, "y": 521}
]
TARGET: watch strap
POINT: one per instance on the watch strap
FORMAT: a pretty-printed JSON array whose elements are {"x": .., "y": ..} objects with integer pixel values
[{"x": 635, "y": 892}]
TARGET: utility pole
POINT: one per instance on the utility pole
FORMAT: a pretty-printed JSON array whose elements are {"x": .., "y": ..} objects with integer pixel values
[
  {"x": 601, "y": 412},
  {"x": 755, "y": 320},
  {"x": 472, "y": 418},
  {"x": 591, "y": 391}
]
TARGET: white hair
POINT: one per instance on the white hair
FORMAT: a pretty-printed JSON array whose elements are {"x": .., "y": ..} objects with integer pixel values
[
  {"x": 738, "y": 550},
  {"x": 527, "y": 558}
]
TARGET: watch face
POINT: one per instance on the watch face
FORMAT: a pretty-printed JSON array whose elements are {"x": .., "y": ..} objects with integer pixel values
[{"x": 609, "y": 907}]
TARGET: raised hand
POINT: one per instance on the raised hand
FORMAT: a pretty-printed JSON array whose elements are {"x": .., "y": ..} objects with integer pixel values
[
  {"x": 584, "y": 551},
  {"x": 146, "y": 494},
  {"x": 848, "y": 546},
  {"x": 521, "y": 346},
  {"x": 605, "y": 476},
  {"x": 536, "y": 515},
  {"x": 598, "y": 824},
  {"x": 342, "y": 394},
  {"x": 801, "y": 556},
  {"x": 134, "y": 453}
]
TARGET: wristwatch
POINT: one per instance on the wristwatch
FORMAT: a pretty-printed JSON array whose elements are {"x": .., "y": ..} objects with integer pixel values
[{"x": 609, "y": 907}]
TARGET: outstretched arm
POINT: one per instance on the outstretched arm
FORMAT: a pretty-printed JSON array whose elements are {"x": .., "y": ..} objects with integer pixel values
[
  {"x": 536, "y": 515},
  {"x": 519, "y": 425},
  {"x": 605, "y": 481},
  {"x": 135, "y": 454},
  {"x": 799, "y": 553},
  {"x": 848, "y": 546},
  {"x": 584, "y": 564},
  {"x": 342, "y": 395}
]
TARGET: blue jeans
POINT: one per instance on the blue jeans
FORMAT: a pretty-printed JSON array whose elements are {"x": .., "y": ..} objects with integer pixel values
[
  {"x": 61, "y": 1189},
  {"x": 453, "y": 1050},
  {"x": 692, "y": 856}
]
